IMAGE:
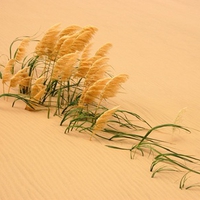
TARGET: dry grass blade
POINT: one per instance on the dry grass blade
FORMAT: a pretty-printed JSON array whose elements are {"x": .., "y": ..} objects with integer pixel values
[
  {"x": 113, "y": 86},
  {"x": 21, "y": 51}
]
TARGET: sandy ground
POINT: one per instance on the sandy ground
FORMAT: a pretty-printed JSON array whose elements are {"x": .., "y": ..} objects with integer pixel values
[{"x": 157, "y": 43}]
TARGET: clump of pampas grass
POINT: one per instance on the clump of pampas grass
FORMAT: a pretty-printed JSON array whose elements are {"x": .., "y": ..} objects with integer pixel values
[{"x": 61, "y": 75}]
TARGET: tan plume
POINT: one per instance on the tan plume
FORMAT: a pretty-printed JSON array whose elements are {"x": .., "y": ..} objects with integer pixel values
[
  {"x": 64, "y": 67},
  {"x": 40, "y": 80},
  {"x": 90, "y": 94},
  {"x": 70, "y": 30},
  {"x": 86, "y": 52},
  {"x": 84, "y": 63},
  {"x": 46, "y": 45},
  {"x": 83, "y": 39},
  {"x": 35, "y": 89},
  {"x": 82, "y": 69},
  {"x": 18, "y": 77},
  {"x": 103, "y": 119},
  {"x": 7, "y": 73},
  {"x": 103, "y": 50},
  {"x": 96, "y": 71},
  {"x": 113, "y": 86},
  {"x": 65, "y": 48},
  {"x": 25, "y": 81},
  {"x": 21, "y": 51},
  {"x": 39, "y": 95}
]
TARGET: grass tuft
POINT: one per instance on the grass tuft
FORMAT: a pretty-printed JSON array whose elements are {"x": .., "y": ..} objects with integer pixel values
[{"x": 62, "y": 77}]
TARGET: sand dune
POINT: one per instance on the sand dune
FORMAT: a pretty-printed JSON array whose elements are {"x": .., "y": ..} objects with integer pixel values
[{"x": 156, "y": 42}]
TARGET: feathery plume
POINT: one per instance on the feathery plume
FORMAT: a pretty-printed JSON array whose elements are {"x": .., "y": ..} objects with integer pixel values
[
  {"x": 91, "y": 93},
  {"x": 17, "y": 78},
  {"x": 64, "y": 67},
  {"x": 35, "y": 89},
  {"x": 179, "y": 118},
  {"x": 100, "y": 53},
  {"x": 57, "y": 47},
  {"x": 103, "y": 119},
  {"x": 96, "y": 71},
  {"x": 83, "y": 39},
  {"x": 25, "y": 82},
  {"x": 103, "y": 50},
  {"x": 40, "y": 80},
  {"x": 113, "y": 86},
  {"x": 46, "y": 45},
  {"x": 91, "y": 29},
  {"x": 86, "y": 52},
  {"x": 82, "y": 69},
  {"x": 39, "y": 95},
  {"x": 65, "y": 47},
  {"x": 7, "y": 74},
  {"x": 84, "y": 63},
  {"x": 70, "y": 30},
  {"x": 21, "y": 51}
]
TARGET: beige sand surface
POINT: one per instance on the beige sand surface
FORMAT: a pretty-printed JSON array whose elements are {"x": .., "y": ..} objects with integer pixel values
[{"x": 157, "y": 43}]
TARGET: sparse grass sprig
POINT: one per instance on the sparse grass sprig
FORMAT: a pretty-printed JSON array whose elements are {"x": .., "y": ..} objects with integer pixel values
[
  {"x": 164, "y": 169},
  {"x": 162, "y": 154},
  {"x": 19, "y": 97},
  {"x": 182, "y": 184}
]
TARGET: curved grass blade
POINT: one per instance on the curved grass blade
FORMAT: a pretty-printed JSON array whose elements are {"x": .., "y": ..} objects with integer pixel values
[{"x": 18, "y": 97}]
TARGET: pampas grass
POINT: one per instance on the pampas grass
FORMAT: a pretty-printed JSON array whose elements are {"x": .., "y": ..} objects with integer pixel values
[
  {"x": 91, "y": 93},
  {"x": 18, "y": 77},
  {"x": 102, "y": 52},
  {"x": 102, "y": 120},
  {"x": 64, "y": 67},
  {"x": 70, "y": 30},
  {"x": 61, "y": 75},
  {"x": 7, "y": 73},
  {"x": 113, "y": 86},
  {"x": 83, "y": 39},
  {"x": 96, "y": 71},
  {"x": 21, "y": 51},
  {"x": 46, "y": 45}
]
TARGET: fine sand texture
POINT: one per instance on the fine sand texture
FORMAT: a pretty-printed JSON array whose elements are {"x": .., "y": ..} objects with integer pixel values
[{"x": 157, "y": 44}]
